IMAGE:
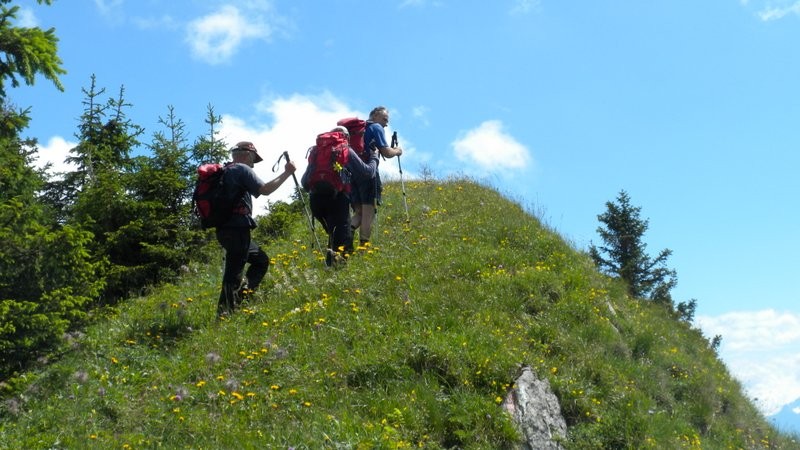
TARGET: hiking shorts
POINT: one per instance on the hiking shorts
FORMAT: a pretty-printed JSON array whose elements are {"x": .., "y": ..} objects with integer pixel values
[{"x": 366, "y": 192}]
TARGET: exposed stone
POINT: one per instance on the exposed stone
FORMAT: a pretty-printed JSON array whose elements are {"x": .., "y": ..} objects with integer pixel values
[{"x": 536, "y": 412}]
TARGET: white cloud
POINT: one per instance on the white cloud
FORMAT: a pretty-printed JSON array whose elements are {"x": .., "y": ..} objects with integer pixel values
[
  {"x": 291, "y": 124},
  {"x": 55, "y": 153},
  {"x": 491, "y": 148},
  {"x": 762, "y": 350},
  {"x": 215, "y": 38}
]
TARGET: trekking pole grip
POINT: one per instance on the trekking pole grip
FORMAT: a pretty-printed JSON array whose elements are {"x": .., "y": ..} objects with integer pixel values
[{"x": 286, "y": 156}]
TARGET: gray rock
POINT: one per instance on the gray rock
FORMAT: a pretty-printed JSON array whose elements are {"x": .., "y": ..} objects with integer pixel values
[{"x": 536, "y": 412}]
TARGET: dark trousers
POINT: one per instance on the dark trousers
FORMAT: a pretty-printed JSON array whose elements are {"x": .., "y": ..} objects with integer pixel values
[
  {"x": 240, "y": 250},
  {"x": 333, "y": 212}
]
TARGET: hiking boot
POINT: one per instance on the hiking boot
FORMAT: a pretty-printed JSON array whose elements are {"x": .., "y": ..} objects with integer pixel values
[
  {"x": 329, "y": 257},
  {"x": 243, "y": 294},
  {"x": 334, "y": 259},
  {"x": 339, "y": 259}
]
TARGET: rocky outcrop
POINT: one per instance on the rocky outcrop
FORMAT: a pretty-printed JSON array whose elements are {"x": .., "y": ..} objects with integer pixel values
[{"x": 536, "y": 412}]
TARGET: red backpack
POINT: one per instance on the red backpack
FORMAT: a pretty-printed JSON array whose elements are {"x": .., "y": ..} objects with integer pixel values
[
  {"x": 356, "y": 128},
  {"x": 211, "y": 206},
  {"x": 327, "y": 162}
]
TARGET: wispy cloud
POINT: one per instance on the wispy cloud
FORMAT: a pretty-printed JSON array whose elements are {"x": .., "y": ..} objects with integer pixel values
[
  {"x": 409, "y": 3},
  {"x": 26, "y": 18},
  {"x": 164, "y": 21},
  {"x": 773, "y": 10},
  {"x": 524, "y": 6},
  {"x": 420, "y": 114},
  {"x": 216, "y": 37},
  {"x": 490, "y": 147},
  {"x": 110, "y": 9},
  {"x": 776, "y": 13},
  {"x": 762, "y": 350}
]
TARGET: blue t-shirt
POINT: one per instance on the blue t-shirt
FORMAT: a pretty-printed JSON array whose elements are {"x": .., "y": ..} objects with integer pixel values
[
  {"x": 365, "y": 191},
  {"x": 374, "y": 134},
  {"x": 241, "y": 179}
]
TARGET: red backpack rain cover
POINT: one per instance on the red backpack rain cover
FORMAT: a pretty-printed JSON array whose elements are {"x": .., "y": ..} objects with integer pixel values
[
  {"x": 328, "y": 160},
  {"x": 356, "y": 128},
  {"x": 211, "y": 205},
  {"x": 206, "y": 192}
]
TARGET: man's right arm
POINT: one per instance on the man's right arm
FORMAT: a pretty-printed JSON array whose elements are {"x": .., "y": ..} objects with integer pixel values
[
  {"x": 270, "y": 186},
  {"x": 391, "y": 152}
]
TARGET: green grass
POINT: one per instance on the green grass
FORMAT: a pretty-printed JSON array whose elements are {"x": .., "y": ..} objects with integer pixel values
[{"x": 413, "y": 343}]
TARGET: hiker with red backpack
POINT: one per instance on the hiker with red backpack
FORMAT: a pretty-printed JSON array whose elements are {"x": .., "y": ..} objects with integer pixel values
[
  {"x": 367, "y": 193},
  {"x": 241, "y": 183},
  {"x": 332, "y": 166}
]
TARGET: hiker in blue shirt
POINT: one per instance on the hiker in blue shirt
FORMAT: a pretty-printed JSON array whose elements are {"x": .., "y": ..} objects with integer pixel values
[
  {"x": 240, "y": 180},
  {"x": 331, "y": 207},
  {"x": 367, "y": 193}
]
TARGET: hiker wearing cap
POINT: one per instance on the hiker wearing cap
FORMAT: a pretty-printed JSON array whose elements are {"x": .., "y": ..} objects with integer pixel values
[
  {"x": 367, "y": 193},
  {"x": 240, "y": 180},
  {"x": 330, "y": 203}
]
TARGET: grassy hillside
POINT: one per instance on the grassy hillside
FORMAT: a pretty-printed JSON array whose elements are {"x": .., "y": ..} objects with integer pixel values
[{"x": 413, "y": 344}]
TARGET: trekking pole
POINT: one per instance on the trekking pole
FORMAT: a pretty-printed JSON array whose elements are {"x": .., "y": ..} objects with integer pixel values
[
  {"x": 402, "y": 184},
  {"x": 302, "y": 198}
]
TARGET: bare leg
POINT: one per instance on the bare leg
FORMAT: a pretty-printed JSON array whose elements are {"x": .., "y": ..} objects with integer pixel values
[
  {"x": 367, "y": 217},
  {"x": 355, "y": 220}
]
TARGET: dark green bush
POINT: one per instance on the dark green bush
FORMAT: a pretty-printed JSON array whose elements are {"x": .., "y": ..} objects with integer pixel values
[{"x": 282, "y": 216}]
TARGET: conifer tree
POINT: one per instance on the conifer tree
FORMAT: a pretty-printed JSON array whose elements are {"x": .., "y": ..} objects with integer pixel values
[
  {"x": 26, "y": 52},
  {"x": 624, "y": 253},
  {"x": 46, "y": 277},
  {"x": 97, "y": 192},
  {"x": 208, "y": 148},
  {"x": 159, "y": 186}
]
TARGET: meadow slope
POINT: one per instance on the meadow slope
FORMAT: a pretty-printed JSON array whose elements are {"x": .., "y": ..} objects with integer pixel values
[{"x": 414, "y": 343}]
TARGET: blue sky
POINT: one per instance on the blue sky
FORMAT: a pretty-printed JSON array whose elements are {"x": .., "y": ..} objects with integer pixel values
[{"x": 691, "y": 107}]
